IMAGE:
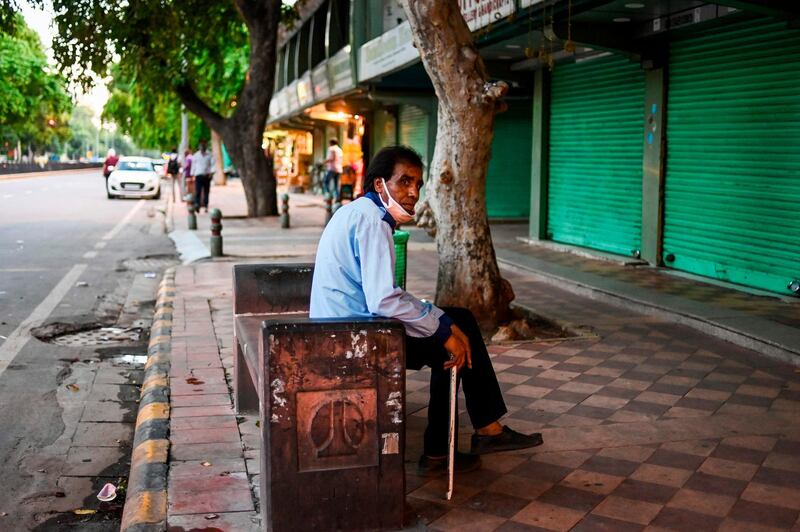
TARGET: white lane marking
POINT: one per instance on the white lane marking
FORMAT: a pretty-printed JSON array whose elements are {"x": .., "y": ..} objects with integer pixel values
[
  {"x": 90, "y": 255},
  {"x": 117, "y": 228},
  {"x": 100, "y": 245},
  {"x": 17, "y": 339}
]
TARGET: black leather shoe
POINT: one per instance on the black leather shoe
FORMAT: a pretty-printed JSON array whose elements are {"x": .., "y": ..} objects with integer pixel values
[
  {"x": 508, "y": 440},
  {"x": 464, "y": 463}
]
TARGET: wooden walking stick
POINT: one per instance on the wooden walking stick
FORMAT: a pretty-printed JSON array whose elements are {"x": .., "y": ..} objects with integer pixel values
[{"x": 451, "y": 439}]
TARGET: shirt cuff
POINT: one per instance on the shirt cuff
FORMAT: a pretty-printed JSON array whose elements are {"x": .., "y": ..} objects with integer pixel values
[{"x": 443, "y": 332}]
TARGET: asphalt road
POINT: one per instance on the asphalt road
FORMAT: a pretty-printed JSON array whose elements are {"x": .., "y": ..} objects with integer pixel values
[{"x": 63, "y": 253}]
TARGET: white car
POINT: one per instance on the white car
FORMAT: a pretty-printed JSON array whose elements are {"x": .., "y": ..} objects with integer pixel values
[{"x": 134, "y": 177}]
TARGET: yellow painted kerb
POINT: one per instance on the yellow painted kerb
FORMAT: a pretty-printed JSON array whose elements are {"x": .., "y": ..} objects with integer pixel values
[
  {"x": 153, "y": 382},
  {"x": 150, "y": 451},
  {"x": 152, "y": 411},
  {"x": 145, "y": 507}
]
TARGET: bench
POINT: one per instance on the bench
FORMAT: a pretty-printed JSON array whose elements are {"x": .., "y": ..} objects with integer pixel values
[{"x": 331, "y": 397}]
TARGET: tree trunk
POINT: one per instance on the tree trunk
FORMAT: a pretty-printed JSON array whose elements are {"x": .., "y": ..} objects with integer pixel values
[
  {"x": 259, "y": 183},
  {"x": 468, "y": 272},
  {"x": 219, "y": 160},
  {"x": 243, "y": 132}
]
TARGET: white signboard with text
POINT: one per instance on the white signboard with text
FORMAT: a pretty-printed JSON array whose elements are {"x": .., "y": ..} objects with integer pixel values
[
  {"x": 481, "y": 13},
  {"x": 305, "y": 94},
  {"x": 529, "y": 3},
  {"x": 319, "y": 80},
  {"x": 340, "y": 71},
  {"x": 388, "y": 52}
]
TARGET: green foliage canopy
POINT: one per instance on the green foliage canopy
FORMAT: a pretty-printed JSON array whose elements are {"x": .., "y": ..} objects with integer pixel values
[
  {"x": 151, "y": 118},
  {"x": 34, "y": 103}
]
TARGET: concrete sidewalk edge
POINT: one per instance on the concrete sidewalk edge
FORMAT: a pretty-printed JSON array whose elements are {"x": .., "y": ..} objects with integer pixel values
[
  {"x": 769, "y": 349},
  {"x": 146, "y": 503},
  {"x": 189, "y": 246}
]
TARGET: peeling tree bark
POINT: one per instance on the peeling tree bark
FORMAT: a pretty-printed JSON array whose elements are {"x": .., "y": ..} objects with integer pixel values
[
  {"x": 219, "y": 170},
  {"x": 243, "y": 131},
  {"x": 468, "y": 272}
]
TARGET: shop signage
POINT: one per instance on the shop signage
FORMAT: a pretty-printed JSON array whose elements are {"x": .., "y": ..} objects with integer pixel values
[
  {"x": 340, "y": 71},
  {"x": 319, "y": 80},
  {"x": 273, "y": 106},
  {"x": 395, "y": 48},
  {"x": 304, "y": 93},
  {"x": 481, "y": 13},
  {"x": 292, "y": 103},
  {"x": 529, "y": 3},
  {"x": 277, "y": 106},
  {"x": 391, "y": 50}
]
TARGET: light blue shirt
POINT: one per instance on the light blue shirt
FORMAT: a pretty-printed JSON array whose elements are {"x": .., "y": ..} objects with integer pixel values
[{"x": 354, "y": 273}]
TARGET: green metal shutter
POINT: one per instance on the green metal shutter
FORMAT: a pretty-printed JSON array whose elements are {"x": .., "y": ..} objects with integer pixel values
[
  {"x": 508, "y": 181},
  {"x": 414, "y": 130},
  {"x": 595, "y": 174},
  {"x": 732, "y": 191}
]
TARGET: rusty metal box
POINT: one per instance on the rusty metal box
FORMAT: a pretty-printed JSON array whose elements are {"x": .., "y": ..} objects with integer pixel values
[{"x": 333, "y": 402}]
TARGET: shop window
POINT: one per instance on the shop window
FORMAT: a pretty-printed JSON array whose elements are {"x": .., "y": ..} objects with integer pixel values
[
  {"x": 319, "y": 23},
  {"x": 280, "y": 69},
  {"x": 338, "y": 25},
  {"x": 302, "y": 49},
  {"x": 291, "y": 60}
]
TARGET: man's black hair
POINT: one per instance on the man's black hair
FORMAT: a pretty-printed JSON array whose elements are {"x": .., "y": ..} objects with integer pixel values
[
  {"x": 333, "y": 142},
  {"x": 382, "y": 165}
]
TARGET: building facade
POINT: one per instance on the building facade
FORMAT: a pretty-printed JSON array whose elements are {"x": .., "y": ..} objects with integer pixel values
[{"x": 667, "y": 132}]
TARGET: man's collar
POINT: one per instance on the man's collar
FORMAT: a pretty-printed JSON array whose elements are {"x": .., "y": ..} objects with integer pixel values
[{"x": 377, "y": 201}]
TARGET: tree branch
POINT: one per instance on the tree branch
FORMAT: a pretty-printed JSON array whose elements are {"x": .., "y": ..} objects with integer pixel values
[{"x": 194, "y": 104}]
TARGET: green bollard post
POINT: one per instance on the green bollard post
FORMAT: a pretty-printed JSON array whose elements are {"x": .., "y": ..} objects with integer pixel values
[
  {"x": 216, "y": 233},
  {"x": 285, "y": 211},
  {"x": 400, "y": 251}
]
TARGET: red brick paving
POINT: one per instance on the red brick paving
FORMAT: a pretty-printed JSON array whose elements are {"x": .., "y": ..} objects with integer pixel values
[{"x": 647, "y": 425}]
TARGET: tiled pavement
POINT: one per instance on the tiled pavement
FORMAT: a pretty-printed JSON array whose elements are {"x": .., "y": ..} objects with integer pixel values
[{"x": 648, "y": 425}]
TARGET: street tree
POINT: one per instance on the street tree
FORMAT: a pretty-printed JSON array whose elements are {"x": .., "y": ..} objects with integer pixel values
[
  {"x": 34, "y": 104},
  {"x": 151, "y": 117},
  {"x": 185, "y": 46},
  {"x": 468, "y": 272}
]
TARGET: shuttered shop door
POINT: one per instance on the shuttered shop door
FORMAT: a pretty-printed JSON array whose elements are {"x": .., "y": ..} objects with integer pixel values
[
  {"x": 508, "y": 180},
  {"x": 596, "y": 128},
  {"x": 414, "y": 130},
  {"x": 732, "y": 191}
]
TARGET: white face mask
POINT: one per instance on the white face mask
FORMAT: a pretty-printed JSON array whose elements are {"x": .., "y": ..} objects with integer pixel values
[{"x": 397, "y": 211}]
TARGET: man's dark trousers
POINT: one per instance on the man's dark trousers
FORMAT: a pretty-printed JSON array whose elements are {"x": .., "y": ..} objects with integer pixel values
[
  {"x": 202, "y": 189},
  {"x": 484, "y": 399}
]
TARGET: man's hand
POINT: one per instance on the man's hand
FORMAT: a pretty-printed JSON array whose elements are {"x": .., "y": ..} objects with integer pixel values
[{"x": 458, "y": 346}]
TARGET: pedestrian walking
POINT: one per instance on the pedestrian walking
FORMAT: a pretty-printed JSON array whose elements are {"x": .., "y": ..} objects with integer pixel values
[
  {"x": 108, "y": 165},
  {"x": 354, "y": 276},
  {"x": 202, "y": 170},
  {"x": 333, "y": 165},
  {"x": 187, "y": 182},
  {"x": 173, "y": 170}
]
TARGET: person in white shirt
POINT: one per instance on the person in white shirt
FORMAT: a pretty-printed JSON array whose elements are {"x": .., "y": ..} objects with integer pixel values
[
  {"x": 202, "y": 170},
  {"x": 333, "y": 165}
]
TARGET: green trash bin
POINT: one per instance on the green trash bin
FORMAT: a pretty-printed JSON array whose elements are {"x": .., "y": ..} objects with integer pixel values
[{"x": 400, "y": 242}]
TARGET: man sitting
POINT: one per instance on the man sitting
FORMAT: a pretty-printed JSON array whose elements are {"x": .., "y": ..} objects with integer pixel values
[{"x": 354, "y": 277}]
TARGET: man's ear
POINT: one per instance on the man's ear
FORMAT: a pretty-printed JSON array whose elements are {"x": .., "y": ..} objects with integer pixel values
[{"x": 378, "y": 184}]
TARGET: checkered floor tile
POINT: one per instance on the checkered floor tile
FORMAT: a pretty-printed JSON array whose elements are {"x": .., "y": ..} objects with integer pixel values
[{"x": 651, "y": 425}]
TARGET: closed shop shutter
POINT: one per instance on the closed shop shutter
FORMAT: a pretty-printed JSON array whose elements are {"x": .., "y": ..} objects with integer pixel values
[
  {"x": 384, "y": 130},
  {"x": 414, "y": 130},
  {"x": 732, "y": 190},
  {"x": 508, "y": 181},
  {"x": 595, "y": 173}
]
